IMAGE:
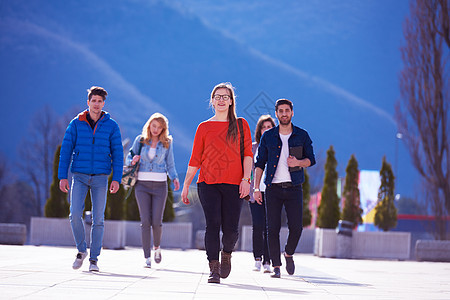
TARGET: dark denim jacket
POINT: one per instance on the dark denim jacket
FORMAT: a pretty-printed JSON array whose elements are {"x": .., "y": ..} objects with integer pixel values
[{"x": 270, "y": 148}]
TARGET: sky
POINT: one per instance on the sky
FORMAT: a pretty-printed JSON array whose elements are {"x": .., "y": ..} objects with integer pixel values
[
  {"x": 350, "y": 49},
  {"x": 338, "y": 61}
]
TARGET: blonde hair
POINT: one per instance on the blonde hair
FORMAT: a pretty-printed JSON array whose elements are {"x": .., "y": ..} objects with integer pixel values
[{"x": 164, "y": 136}]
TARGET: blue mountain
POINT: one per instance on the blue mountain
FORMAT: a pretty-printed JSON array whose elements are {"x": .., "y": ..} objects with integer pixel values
[{"x": 152, "y": 57}]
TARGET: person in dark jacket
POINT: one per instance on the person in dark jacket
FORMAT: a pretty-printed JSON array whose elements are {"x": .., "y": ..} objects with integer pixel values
[
  {"x": 92, "y": 145},
  {"x": 284, "y": 151},
  {"x": 258, "y": 210}
]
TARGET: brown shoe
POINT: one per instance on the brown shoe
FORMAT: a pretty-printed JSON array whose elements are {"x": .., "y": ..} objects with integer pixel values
[
  {"x": 225, "y": 264},
  {"x": 214, "y": 267}
]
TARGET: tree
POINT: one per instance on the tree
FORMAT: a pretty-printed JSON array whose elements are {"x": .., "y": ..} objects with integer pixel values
[
  {"x": 328, "y": 211},
  {"x": 36, "y": 151},
  {"x": 17, "y": 204},
  {"x": 57, "y": 205},
  {"x": 352, "y": 206},
  {"x": 385, "y": 211},
  {"x": 169, "y": 213},
  {"x": 423, "y": 112},
  {"x": 115, "y": 203},
  {"x": 307, "y": 217},
  {"x": 442, "y": 23}
]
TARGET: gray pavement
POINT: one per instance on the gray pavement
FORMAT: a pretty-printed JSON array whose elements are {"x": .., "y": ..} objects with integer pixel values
[{"x": 30, "y": 272}]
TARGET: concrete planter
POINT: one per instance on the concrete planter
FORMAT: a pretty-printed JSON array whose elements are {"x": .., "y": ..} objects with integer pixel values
[
  {"x": 430, "y": 250},
  {"x": 174, "y": 235},
  {"x": 387, "y": 245},
  {"x": 13, "y": 234},
  {"x": 305, "y": 245},
  {"x": 51, "y": 231},
  {"x": 115, "y": 234},
  {"x": 57, "y": 232},
  {"x": 325, "y": 242}
]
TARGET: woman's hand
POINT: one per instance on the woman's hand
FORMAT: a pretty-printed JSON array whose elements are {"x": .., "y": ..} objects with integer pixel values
[
  {"x": 135, "y": 159},
  {"x": 187, "y": 181},
  {"x": 176, "y": 183},
  {"x": 244, "y": 189},
  {"x": 184, "y": 194}
]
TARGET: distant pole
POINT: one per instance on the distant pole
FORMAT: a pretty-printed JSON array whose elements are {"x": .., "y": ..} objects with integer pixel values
[{"x": 398, "y": 137}]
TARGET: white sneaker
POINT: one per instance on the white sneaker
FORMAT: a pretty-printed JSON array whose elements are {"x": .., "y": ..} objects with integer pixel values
[
  {"x": 257, "y": 264},
  {"x": 79, "y": 260},
  {"x": 158, "y": 255},
  {"x": 267, "y": 268},
  {"x": 93, "y": 266},
  {"x": 148, "y": 262}
]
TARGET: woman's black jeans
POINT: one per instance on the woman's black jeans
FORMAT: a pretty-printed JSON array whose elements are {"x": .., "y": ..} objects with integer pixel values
[
  {"x": 259, "y": 233},
  {"x": 222, "y": 208},
  {"x": 292, "y": 199}
]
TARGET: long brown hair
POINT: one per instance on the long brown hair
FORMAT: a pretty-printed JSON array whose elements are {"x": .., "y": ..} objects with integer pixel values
[
  {"x": 164, "y": 136},
  {"x": 232, "y": 123},
  {"x": 259, "y": 125}
]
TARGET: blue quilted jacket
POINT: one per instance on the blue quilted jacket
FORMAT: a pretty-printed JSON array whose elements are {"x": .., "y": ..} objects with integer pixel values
[{"x": 92, "y": 151}]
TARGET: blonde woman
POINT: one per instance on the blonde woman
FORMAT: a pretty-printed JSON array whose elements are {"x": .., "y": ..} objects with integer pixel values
[
  {"x": 156, "y": 162},
  {"x": 223, "y": 180}
]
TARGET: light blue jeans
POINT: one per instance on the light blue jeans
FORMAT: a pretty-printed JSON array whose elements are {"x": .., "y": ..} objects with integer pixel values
[{"x": 98, "y": 184}]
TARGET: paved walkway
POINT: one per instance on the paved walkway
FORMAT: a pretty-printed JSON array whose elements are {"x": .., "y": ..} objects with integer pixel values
[{"x": 30, "y": 272}]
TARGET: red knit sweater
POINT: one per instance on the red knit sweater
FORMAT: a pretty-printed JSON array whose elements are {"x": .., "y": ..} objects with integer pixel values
[{"x": 219, "y": 160}]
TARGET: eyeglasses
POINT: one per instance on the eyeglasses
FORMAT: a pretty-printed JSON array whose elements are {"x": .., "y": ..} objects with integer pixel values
[{"x": 224, "y": 97}]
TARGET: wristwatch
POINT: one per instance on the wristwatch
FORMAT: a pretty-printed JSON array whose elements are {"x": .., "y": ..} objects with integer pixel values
[{"x": 256, "y": 190}]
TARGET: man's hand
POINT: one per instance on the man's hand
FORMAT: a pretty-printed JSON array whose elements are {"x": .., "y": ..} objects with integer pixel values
[
  {"x": 257, "y": 197},
  {"x": 114, "y": 187},
  {"x": 293, "y": 162},
  {"x": 64, "y": 185}
]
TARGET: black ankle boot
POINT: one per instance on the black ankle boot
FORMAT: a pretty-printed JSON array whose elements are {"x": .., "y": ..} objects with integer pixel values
[
  {"x": 276, "y": 273},
  {"x": 225, "y": 264},
  {"x": 214, "y": 268}
]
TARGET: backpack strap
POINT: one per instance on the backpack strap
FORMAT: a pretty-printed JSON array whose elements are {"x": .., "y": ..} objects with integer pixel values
[{"x": 140, "y": 145}]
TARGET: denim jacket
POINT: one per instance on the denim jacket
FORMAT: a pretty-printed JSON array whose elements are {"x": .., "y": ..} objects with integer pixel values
[
  {"x": 162, "y": 162},
  {"x": 270, "y": 148}
]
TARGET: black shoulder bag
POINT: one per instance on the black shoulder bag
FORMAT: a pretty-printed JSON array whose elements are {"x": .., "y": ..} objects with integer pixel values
[{"x": 130, "y": 173}]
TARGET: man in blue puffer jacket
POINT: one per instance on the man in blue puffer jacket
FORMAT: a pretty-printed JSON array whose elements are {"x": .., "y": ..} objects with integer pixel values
[{"x": 93, "y": 144}]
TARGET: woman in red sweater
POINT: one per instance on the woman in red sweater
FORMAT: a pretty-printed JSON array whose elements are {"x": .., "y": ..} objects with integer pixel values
[{"x": 223, "y": 180}]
